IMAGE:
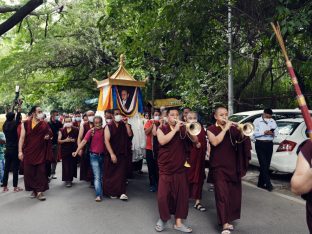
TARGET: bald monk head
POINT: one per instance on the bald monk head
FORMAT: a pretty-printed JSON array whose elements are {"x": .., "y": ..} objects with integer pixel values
[
  {"x": 173, "y": 116},
  {"x": 221, "y": 115}
]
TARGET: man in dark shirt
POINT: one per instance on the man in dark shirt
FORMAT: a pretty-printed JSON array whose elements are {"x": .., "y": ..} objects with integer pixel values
[
  {"x": 55, "y": 126},
  {"x": 11, "y": 154}
]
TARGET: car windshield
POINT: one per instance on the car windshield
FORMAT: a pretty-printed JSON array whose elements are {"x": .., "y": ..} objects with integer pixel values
[
  {"x": 237, "y": 118},
  {"x": 286, "y": 128}
]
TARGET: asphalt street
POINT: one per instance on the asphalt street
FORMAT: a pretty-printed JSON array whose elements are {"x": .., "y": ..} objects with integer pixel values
[{"x": 74, "y": 211}]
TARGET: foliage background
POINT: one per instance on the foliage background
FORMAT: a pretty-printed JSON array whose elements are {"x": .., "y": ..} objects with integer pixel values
[{"x": 181, "y": 45}]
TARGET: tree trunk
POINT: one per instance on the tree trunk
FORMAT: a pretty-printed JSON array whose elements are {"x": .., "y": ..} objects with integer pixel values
[
  {"x": 250, "y": 77},
  {"x": 19, "y": 15}
]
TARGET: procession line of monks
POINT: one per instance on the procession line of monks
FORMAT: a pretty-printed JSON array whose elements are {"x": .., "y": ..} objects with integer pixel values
[{"x": 176, "y": 183}]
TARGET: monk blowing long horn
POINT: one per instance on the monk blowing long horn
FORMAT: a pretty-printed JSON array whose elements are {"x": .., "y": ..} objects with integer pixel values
[
  {"x": 193, "y": 129},
  {"x": 300, "y": 98}
]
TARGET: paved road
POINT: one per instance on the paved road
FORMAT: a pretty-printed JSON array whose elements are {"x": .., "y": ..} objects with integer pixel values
[
  {"x": 280, "y": 181},
  {"x": 73, "y": 210}
]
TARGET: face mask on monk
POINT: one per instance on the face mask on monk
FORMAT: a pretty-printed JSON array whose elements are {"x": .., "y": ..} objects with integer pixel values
[
  {"x": 68, "y": 125},
  {"x": 90, "y": 119},
  {"x": 108, "y": 120},
  {"x": 118, "y": 118},
  {"x": 40, "y": 116},
  {"x": 156, "y": 117},
  {"x": 78, "y": 119}
]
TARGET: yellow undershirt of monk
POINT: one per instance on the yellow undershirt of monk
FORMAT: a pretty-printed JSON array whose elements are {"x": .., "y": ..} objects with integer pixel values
[{"x": 33, "y": 123}]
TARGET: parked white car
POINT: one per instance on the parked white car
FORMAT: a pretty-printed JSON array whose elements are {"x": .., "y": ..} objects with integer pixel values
[
  {"x": 291, "y": 133},
  {"x": 250, "y": 116}
]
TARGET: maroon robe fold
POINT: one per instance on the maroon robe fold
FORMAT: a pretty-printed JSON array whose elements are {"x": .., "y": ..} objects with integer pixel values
[
  {"x": 114, "y": 176},
  {"x": 228, "y": 163},
  {"x": 173, "y": 188},
  {"x": 69, "y": 163},
  {"x": 196, "y": 173},
  {"x": 36, "y": 151},
  {"x": 85, "y": 167},
  {"x": 306, "y": 151}
]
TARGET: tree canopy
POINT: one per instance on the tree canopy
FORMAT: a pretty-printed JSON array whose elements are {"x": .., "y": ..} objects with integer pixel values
[{"x": 181, "y": 45}]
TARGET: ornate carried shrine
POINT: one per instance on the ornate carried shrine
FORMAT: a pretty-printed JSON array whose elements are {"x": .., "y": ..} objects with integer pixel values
[
  {"x": 121, "y": 91},
  {"x": 112, "y": 89}
]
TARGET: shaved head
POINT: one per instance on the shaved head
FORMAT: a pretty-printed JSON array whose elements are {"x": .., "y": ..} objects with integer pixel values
[
  {"x": 90, "y": 113},
  {"x": 220, "y": 108},
  {"x": 221, "y": 115}
]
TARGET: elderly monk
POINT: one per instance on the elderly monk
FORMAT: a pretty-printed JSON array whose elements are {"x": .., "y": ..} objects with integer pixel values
[
  {"x": 230, "y": 153},
  {"x": 35, "y": 148},
  {"x": 173, "y": 188},
  {"x": 117, "y": 134}
]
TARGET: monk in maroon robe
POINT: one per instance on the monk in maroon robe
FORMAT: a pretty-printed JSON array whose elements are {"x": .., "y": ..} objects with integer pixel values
[
  {"x": 226, "y": 167},
  {"x": 173, "y": 188},
  {"x": 85, "y": 167},
  {"x": 67, "y": 140},
  {"x": 196, "y": 173},
  {"x": 35, "y": 148},
  {"x": 117, "y": 134},
  {"x": 301, "y": 182}
]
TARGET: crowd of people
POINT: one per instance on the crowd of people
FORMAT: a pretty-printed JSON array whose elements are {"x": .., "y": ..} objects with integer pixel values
[{"x": 176, "y": 158}]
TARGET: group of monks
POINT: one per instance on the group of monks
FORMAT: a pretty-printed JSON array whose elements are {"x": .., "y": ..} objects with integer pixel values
[
  {"x": 177, "y": 171},
  {"x": 86, "y": 140},
  {"x": 181, "y": 161}
]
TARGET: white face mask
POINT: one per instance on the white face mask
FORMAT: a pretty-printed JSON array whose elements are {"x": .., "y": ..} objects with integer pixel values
[
  {"x": 40, "y": 116},
  {"x": 68, "y": 125},
  {"x": 118, "y": 118},
  {"x": 90, "y": 119},
  {"x": 108, "y": 120},
  {"x": 166, "y": 119},
  {"x": 78, "y": 119},
  {"x": 156, "y": 117},
  {"x": 266, "y": 119}
]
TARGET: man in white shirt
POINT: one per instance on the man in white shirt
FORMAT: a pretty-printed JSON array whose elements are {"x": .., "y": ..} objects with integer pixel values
[{"x": 265, "y": 128}]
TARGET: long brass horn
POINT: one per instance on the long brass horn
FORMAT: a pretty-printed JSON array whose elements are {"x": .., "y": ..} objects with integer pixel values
[
  {"x": 247, "y": 129},
  {"x": 193, "y": 128}
]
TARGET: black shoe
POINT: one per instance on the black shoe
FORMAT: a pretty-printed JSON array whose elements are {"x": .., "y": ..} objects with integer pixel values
[{"x": 269, "y": 188}]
